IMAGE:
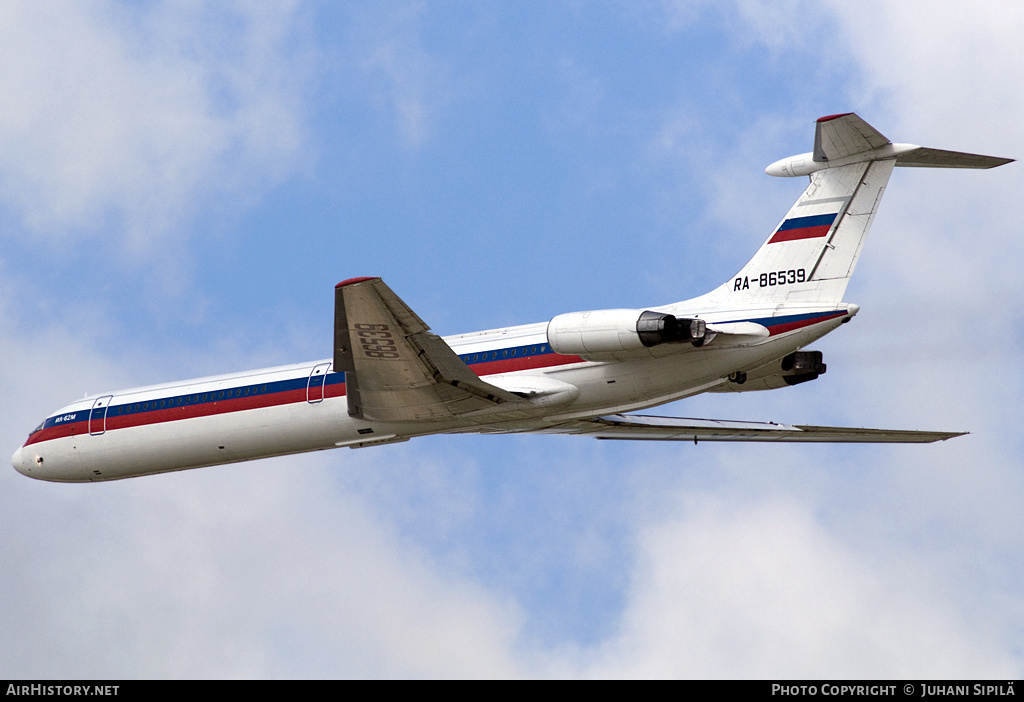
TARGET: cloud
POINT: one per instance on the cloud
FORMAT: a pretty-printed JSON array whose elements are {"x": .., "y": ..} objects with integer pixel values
[
  {"x": 119, "y": 122},
  {"x": 730, "y": 586},
  {"x": 952, "y": 69},
  {"x": 220, "y": 574}
]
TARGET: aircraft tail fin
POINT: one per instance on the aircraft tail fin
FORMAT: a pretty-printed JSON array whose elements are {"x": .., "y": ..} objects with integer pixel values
[
  {"x": 811, "y": 254},
  {"x": 837, "y": 136}
]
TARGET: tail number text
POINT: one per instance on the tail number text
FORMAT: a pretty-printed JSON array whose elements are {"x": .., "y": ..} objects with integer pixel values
[{"x": 769, "y": 280}]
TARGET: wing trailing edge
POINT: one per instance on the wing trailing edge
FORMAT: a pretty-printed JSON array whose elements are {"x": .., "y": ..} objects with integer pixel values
[{"x": 650, "y": 428}]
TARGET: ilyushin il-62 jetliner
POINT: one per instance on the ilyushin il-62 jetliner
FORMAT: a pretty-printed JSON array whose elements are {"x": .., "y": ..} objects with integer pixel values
[{"x": 391, "y": 379}]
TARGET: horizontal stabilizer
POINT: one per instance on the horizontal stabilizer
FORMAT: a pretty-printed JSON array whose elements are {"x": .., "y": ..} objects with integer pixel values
[
  {"x": 846, "y": 139},
  {"x": 648, "y": 428},
  {"x": 923, "y": 157}
]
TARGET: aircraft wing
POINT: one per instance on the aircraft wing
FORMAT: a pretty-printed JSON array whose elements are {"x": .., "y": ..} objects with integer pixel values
[
  {"x": 641, "y": 427},
  {"x": 396, "y": 369}
]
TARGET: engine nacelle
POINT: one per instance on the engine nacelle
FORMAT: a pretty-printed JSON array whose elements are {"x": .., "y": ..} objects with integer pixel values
[
  {"x": 798, "y": 367},
  {"x": 655, "y": 328},
  {"x": 607, "y": 332},
  {"x": 803, "y": 363}
]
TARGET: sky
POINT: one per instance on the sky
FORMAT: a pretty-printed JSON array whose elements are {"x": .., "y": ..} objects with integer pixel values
[{"x": 182, "y": 184}]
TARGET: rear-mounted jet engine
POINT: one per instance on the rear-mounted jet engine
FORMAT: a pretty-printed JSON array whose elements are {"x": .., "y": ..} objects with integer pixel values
[
  {"x": 793, "y": 369},
  {"x": 605, "y": 333}
]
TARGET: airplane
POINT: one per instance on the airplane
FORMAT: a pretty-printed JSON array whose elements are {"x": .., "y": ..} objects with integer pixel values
[{"x": 582, "y": 373}]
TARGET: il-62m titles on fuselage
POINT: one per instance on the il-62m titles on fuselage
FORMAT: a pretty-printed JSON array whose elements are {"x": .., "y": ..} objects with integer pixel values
[{"x": 391, "y": 379}]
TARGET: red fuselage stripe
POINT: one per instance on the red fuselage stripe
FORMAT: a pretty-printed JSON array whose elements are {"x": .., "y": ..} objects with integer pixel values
[{"x": 116, "y": 421}]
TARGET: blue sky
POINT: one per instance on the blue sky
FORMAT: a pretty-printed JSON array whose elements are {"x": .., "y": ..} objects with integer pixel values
[{"x": 181, "y": 185}]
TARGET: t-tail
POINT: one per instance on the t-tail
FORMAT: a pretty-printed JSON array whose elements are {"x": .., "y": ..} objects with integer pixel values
[{"x": 811, "y": 254}]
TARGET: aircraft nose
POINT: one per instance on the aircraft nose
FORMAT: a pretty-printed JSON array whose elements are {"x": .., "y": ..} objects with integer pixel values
[{"x": 22, "y": 462}]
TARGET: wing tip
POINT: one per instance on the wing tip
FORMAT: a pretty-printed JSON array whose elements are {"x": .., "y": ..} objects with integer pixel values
[
  {"x": 353, "y": 281},
  {"x": 999, "y": 161},
  {"x": 829, "y": 118}
]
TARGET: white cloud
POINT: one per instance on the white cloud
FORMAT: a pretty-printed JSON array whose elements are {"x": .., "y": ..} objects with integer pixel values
[
  {"x": 953, "y": 62},
  {"x": 758, "y": 588},
  {"x": 260, "y": 570},
  {"x": 121, "y": 119}
]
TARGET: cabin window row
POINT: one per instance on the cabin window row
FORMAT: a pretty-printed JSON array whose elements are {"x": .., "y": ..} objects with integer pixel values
[
  {"x": 503, "y": 354},
  {"x": 197, "y": 399}
]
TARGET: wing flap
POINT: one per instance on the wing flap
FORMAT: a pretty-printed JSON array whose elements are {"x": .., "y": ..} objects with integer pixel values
[
  {"x": 396, "y": 368},
  {"x": 651, "y": 428}
]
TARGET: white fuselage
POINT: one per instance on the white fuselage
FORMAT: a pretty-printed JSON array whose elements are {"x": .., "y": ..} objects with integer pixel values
[{"x": 302, "y": 407}]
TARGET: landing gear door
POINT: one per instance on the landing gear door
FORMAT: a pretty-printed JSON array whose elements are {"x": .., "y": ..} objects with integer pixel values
[
  {"x": 98, "y": 415},
  {"x": 315, "y": 386}
]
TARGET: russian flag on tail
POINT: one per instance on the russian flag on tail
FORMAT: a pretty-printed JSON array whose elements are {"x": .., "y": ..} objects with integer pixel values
[{"x": 811, "y": 227}]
